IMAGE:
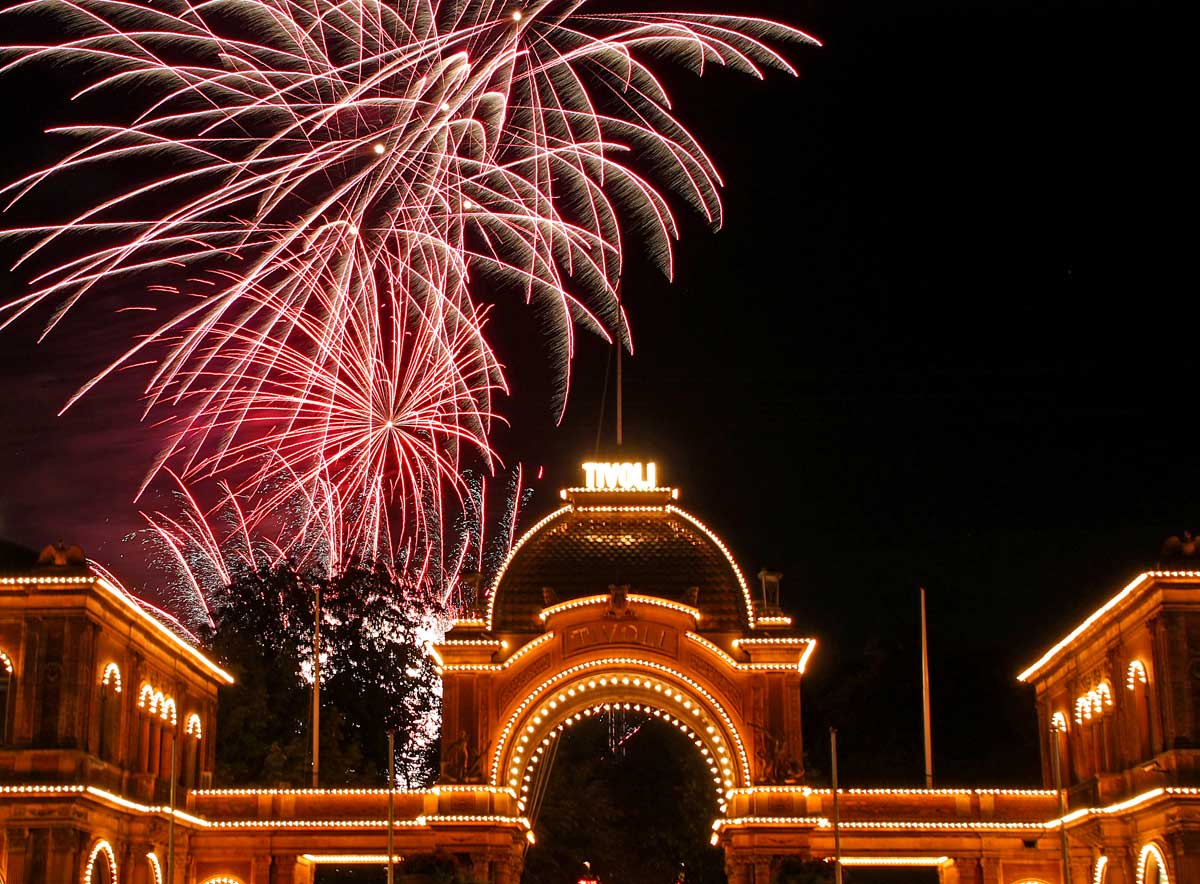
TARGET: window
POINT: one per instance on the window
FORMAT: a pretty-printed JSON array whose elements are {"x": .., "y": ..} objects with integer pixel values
[
  {"x": 191, "y": 752},
  {"x": 110, "y": 712},
  {"x": 1058, "y": 733},
  {"x": 1152, "y": 866},
  {"x": 1137, "y": 682},
  {"x": 101, "y": 865},
  {"x": 7, "y": 695}
]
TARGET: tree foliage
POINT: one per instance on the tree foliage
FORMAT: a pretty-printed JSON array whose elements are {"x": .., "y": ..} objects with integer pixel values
[
  {"x": 635, "y": 813},
  {"x": 375, "y": 675}
]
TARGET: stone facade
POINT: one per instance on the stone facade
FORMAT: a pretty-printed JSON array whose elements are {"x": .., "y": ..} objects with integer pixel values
[{"x": 96, "y": 692}]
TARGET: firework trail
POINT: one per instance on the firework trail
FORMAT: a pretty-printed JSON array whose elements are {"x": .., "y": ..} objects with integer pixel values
[
  {"x": 362, "y": 409},
  {"x": 323, "y": 189},
  {"x": 212, "y": 547}
]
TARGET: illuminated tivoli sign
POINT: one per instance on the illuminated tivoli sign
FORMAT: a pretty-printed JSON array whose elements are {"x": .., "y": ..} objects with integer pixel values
[{"x": 624, "y": 476}]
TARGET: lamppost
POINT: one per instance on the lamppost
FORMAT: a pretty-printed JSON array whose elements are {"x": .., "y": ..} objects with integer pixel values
[
  {"x": 837, "y": 835},
  {"x": 171, "y": 814},
  {"x": 1062, "y": 809},
  {"x": 391, "y": 787}
]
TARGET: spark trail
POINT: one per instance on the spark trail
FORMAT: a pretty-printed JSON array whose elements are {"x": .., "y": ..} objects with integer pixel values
[{"x": 322, "y": 197}]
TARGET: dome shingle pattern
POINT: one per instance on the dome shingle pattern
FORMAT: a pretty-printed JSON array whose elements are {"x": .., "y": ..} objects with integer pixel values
[{"x": 582, "y": 552}]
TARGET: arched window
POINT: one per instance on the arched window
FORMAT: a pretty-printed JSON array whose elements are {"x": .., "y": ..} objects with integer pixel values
[
  {"x": 1083, "y": 709},
  {"x": 1135, "y": 675},
  {"x": 7, "y": 694},
  {"x": 168, "y": 728},
  {"x": 110, "y": 712},
  {"x": 1138, "y": 683},
  {"x": 1094, "y": 745},
  {"x": 1102, "y": 707},
  {"x": 101, "y": 865},
  {"x": 156, "y": 872},
  {"x": 1152, "y": 866},
  {"x": 1083, "y": 763},
  {"x": 191, "y": 754},
  {"x": 145, "y": 702},
  {"x": 1058, "y": 733}
]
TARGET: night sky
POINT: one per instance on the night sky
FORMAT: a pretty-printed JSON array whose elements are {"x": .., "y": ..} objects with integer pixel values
[{"x": 945, "y": 339}]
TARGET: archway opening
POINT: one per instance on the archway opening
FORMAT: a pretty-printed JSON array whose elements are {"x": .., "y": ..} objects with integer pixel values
[
  {"x": 631, "y": 792},
  {"x": 101, "y": 865}
]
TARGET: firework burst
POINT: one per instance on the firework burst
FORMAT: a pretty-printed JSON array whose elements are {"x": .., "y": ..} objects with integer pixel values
[{"x": 320, "y": 185}]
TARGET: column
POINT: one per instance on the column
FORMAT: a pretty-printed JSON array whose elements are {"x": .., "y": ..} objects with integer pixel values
[
  {"x": 739, "y": 871},
  {"x": 303, "y": 873},
  {"x": 1120, "y": 868},
  {"x": 260, "y": 870},
  {"x": 143, "y": 759},
  {"x": 284, "y": 869},
  {"x": 948, "y": 874},
  {"x": 1081, "y": 867},
  {"x": 506, "y": 871},
  {"x": 66, "y": 855},
  {"x": 1183, "y": 854},
  {"x": 989, "y": 870},
  {"x": 762, "y": 870},
  {"x": 18, "y": 846}
]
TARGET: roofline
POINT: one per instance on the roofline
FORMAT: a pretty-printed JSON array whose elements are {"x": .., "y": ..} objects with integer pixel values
[
  {"x": 525, "y": 538},
  {"x": 1096, "y": 615},
  {"x": 720, "y": 544},
  {"x": 129, "y": 605}
]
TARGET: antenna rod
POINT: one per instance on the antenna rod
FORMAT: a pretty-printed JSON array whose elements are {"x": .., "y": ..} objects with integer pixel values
[
  {"x": 620, "y": 414},
  {"x": 925, "y": 696}
]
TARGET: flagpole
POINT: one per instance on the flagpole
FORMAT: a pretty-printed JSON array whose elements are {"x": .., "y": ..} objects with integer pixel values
[
  {"x": 837, "y": 836},
  {"x": 925, "y": 695},
  {"x": 620, "y": 415},
  {"x": 171, "y": 819},
  {"x": 316, "y": 694}
]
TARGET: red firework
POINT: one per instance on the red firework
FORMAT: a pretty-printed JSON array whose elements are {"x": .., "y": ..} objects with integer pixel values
[{"x": 333, "y": 176}]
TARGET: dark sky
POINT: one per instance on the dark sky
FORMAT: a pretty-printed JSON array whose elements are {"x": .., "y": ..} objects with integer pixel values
[{"x": 946, "y": 338}]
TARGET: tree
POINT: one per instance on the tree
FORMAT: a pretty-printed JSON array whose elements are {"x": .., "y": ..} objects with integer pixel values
[
  {"x": 636, "y": 813},
  {"x": 375, "y": 675}
]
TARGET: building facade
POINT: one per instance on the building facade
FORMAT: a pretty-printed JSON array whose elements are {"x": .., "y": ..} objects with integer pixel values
[{"x": 619, "y": 598}]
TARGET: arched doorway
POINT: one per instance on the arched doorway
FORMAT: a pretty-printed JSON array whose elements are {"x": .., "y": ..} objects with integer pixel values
[
  {"x": 626, "y": 684},
  {"x": 629, "y": 791}
]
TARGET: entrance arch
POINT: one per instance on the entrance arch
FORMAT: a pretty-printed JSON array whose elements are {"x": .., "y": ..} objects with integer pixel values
[
  {"x": 622, "y": 599},
  {"x": 613, "y": 775},
  {"x": 608, "y": 683}
]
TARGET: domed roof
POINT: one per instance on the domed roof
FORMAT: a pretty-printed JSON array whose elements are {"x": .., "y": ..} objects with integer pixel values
[{"x": 582, "y": 550}]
